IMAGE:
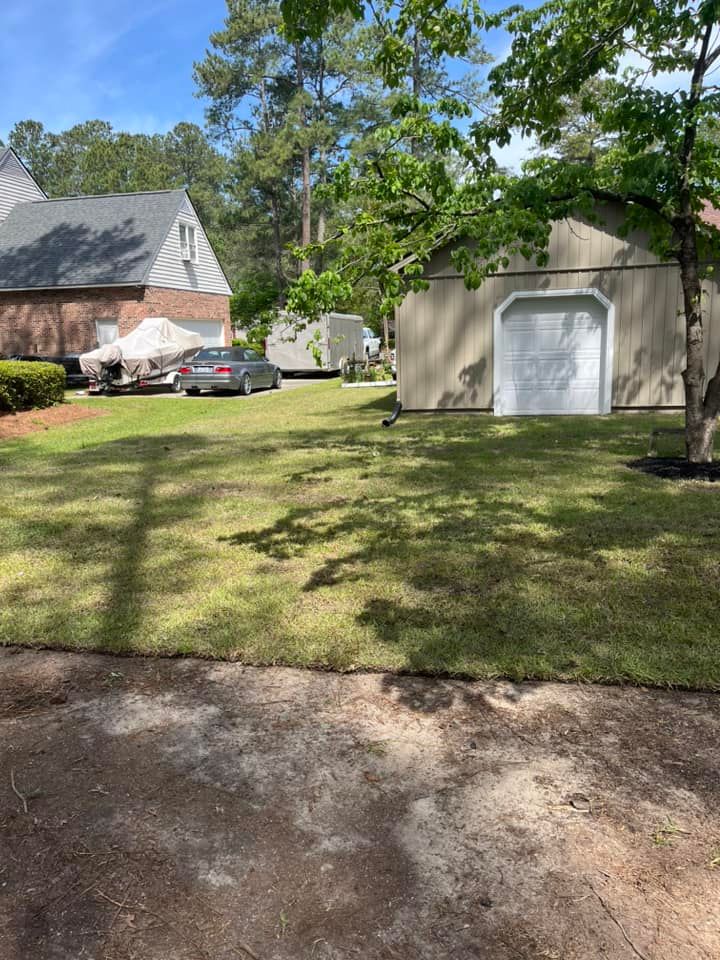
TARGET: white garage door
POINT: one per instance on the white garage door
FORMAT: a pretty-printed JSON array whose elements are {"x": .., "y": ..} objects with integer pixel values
[
  {"x": 553, "y": 355},
  {"x": 212, "y": 331}
]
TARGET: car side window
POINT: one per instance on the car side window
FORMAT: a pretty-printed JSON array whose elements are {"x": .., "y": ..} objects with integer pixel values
[
  {"x": 238, "y": 354},
  {"x": 251, "y": 355}
]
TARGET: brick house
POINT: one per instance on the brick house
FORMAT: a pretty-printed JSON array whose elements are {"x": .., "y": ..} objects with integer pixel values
[{"x": 80, "y": 271}]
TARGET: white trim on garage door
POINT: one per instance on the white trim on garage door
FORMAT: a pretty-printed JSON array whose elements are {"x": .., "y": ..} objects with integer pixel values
[
  {"x": 553, "y": 358},
  {"x": 212, "y": 331}
]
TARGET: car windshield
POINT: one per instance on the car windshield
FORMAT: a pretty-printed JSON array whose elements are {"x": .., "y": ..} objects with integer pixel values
[{"x": 216, "y": 353}]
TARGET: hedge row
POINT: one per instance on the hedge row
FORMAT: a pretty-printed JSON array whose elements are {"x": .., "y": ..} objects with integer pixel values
[{"x": 26, "y": 385}]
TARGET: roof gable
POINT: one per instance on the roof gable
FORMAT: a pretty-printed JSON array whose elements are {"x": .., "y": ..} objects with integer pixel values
[
  {"x": 12, "y": 166},
  {"x": 168, "y": 268},
  {"x": 17, "y": 184}
]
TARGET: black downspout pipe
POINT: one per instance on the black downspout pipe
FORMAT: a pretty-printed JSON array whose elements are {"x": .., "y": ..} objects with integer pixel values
[{"x": 389, "y": 421}]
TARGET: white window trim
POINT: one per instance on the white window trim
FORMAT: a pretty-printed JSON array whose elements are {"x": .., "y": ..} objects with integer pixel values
[
  {"x": 188, "y": 245},
  {"x": 605, "y": 387}
]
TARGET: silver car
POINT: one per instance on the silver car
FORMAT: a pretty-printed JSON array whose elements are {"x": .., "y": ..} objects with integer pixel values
[{"x": 228, "y": 368}]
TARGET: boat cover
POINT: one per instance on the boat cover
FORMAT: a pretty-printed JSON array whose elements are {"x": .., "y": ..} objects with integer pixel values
[{"x": 155, "y": 347}]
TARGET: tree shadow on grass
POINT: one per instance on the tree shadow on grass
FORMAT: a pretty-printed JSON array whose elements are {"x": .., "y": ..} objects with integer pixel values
[
  {"x": 127, "y": 476},
  {"x": 465, "y": 546},
  {"x": 580, "y": 574}
]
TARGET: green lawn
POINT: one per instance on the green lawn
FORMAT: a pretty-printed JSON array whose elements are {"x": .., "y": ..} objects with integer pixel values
[{"x": 291, "y": 528}]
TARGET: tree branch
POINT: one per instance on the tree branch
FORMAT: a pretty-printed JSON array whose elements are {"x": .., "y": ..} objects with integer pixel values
[{"x": 649, "y": 203}]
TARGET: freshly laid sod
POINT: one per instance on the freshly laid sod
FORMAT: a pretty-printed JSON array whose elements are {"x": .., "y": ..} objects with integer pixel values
[{"x": 291, "y": 528}]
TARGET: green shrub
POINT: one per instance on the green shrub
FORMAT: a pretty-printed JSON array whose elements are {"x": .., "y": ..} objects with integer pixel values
[
  {"x": 250, "y": 345},
  {"x": 26, "y": 385}
]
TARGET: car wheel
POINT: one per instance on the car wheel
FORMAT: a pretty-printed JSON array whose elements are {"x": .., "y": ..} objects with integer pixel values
[
  {"x": 277, "y": 380},
  {"x": 176, "y": 385},
  {"x": 192, "y": 392},
  {"x": 245, "y": 385}
]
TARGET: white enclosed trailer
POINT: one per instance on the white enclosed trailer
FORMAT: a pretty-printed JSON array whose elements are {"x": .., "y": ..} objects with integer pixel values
[{"x": 336, "y": 337}]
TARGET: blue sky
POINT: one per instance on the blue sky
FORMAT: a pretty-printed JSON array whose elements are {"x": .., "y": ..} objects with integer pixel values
[{"x": 124, "y": 61}]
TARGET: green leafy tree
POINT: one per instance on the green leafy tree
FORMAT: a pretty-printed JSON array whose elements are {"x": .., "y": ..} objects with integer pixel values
[
  {"x": 286, "y": 110},
  {"x": 582, "y": 138},
  {"x": 247, "y": 78},
  {"x": 255, "y": 297},
  {"x": 660, "y": 164},
  {"x": 29, "y": 140}
]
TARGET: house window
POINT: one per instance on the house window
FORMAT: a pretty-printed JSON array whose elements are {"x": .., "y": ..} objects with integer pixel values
[
  {"x": 106, "y": 331},
  {"x": 188, "y": 243}
]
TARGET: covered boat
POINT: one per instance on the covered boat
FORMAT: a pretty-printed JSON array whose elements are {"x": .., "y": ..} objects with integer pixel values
[{"x": 153, "y": 350}]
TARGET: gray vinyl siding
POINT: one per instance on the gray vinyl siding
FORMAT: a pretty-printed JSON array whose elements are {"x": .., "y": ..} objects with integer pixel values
[
  {"x": 170, "y": 270},
  {"x": 16, "y": 185},
  {"x": 445, "y": 335}
]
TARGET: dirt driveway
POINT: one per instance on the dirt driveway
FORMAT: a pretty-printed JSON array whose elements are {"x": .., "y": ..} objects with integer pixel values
[{"x": 204, "y": 811}]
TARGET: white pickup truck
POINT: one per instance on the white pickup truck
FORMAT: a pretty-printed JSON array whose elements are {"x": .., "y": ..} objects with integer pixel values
[{"x": 371, "y": 343}]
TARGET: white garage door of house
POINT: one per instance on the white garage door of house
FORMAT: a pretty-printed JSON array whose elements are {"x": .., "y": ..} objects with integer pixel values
[
  {"x": 553, "y": 355},
  {"x": 212, "y": 331}
]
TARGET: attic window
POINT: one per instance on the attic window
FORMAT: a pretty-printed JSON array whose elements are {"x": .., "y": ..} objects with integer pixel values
[{"x": 188, "y": 243}]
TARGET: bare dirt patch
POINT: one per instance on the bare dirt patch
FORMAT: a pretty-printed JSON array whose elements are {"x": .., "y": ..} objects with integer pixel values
[
  {"x": 182, "y": 809},
  {"x": 29, "y": 421}
]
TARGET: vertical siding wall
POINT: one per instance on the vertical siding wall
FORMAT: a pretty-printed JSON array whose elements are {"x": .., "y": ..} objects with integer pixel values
[
  {"x": 16, "y": 185},
  {"x": 445, "y": 336}
]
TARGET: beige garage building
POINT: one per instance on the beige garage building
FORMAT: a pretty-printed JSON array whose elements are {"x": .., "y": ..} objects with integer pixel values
[{"x": 599, "y": 328}]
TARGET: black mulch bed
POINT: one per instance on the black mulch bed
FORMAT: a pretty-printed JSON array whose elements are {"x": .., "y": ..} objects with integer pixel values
[{"x": 677, "y": 468}]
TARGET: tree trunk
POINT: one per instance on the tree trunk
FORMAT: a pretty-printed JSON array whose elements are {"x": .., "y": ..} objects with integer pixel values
[
  {"x": 306, "y": 234},
  {"x": 321, "y": 221},
  {"x": 416, "y": 68},
  {"x": 274, "y": 205},
  {"x": 700, "y": 409},
  {"x": 277, "y": 247},
  {"x": 322, "y": 172},
  {"x": 306, "y": 237}
]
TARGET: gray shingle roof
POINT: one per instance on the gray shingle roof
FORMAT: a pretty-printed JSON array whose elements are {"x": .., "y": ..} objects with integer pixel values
[{"x": 85, "y": 241}]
